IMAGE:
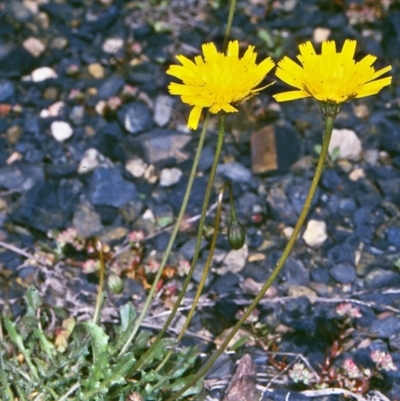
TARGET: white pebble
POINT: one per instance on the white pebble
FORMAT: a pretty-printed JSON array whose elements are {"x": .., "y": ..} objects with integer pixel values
[
  {"x": 113, "y": 45},
  {"x": 348, "y": 143},
  {"x": 61, "y": 130},
  {"x": 315, "y": 234},
  {"x": 43, "y": 73},
  {"x": 170, "y": 176}
]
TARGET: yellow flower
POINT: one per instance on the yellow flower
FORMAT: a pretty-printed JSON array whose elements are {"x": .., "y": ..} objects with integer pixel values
[
  {"x": 331, "y": 77},
  {"x": 217, "y": 80}
]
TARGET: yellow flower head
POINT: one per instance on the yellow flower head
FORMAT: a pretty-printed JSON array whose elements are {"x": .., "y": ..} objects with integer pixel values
[
  {"x": 331, "y": 77},
  {"x": 216, "y": 80}
]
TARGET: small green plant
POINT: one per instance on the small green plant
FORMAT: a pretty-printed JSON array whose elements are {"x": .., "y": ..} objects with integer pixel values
[{"x": 80, "y": 361}]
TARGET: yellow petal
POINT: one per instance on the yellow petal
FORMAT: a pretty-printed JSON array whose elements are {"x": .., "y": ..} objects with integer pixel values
[
  {"x": 194, "y": 117},
  {"x": 291, "y": 95}
]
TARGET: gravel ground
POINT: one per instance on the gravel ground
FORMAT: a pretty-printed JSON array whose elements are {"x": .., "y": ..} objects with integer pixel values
[{"x": 91, "y": 140}]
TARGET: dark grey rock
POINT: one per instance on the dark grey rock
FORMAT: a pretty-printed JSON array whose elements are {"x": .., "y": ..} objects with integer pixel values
[
  {"x": 342, "y": 253},
  {"x": 390, "y": 136},
  {"x": 390, "y": 187},
  {"x": 294, "y": 271},
  {"x": 7, "y": 90},
  {"x": 21, "y": 177},
  {"x": 136, "y": 117},
  {"x": 198, "y": 272},
  {"x": 384, "y": 328},
  {"x": 17, "y": 62},
  {"x": 343, "y": 273},
  {"x": 107, "y": 187},
  {"x": 110, "y": 87},
  {"x": 48, "y": 205},
  {"x": 319, "y": 275},
  {"x": 280, "y": 208},
  {"x": 86, "y": 221},
  {"x": 221, "y": 368},
  {"x": 206, "y": 158},
  {"x": 331, "y": 180},
  {"x": 393, "y": 236},
  {"x": 187, "y": 250},
  {"x": 287, "y": 155},
  {"x": 297, "y": 194},
  {"x": 245, "y": 206},
  {"x": 381, "y": 278}
]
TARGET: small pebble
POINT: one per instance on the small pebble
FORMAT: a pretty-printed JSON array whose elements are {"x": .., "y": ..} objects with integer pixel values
[
  {"x": 315, "y": 234},
  {"x": 96, "y": 70},
  {"x": 34, "y": 46},
  {"x": 170, "y": 176},
  {"x": 43, "y": 73},
  {"x": 61, "y": 130},
  {"x": 113, "y": 45}
]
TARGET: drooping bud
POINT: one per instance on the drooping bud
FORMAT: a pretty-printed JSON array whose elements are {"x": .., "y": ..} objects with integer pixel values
[
  {"x": 115, "y": 284},
  {"x": 236, "y": 235}
]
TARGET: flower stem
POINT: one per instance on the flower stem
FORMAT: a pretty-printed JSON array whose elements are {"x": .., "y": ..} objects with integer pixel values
[
  {"x": 221, "y": 132},
  {"x": 205, "y": 270},
  {"x": 170, "y": 244},
  {"x": 229, "y": 23},
  {"x": 307, "y": 204},
  {"x": 99, "y": 248}
]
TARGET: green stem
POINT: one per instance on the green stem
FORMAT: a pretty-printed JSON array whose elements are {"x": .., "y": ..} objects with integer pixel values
[
  {"x": 205, "y": 271},
  {"x": 99, "y": 247},
  {"x": 174, "y": 233},
  {"x": 307, "y": 204},
  {"x": 229, "y": 23},
  {"x": 221, "y": 132}
]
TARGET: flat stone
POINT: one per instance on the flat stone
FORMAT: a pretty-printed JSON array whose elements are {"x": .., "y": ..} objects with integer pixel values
[
  {"x": 235, "y": 172},
  {"x": 264, "y": 155}
]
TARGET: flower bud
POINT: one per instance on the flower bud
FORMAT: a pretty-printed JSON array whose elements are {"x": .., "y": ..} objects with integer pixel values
[
  {"x": 236, "y": 235},
  {"x": 115, "y": 284}
]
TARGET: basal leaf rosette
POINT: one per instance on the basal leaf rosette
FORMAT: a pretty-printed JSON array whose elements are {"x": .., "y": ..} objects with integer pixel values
[
  {"x": 330, "y": 77},
  {"x": 217, "y": 80}
]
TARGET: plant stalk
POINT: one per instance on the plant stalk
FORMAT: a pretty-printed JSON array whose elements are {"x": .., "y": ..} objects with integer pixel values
[{"x": 329, "y": 120}]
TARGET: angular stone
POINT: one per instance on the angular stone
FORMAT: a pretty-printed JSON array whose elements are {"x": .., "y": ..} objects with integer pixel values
[{"x": 107, "y": 187}]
